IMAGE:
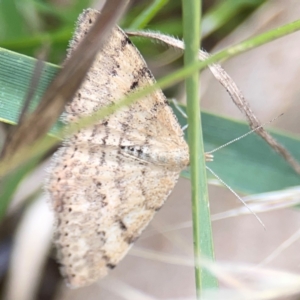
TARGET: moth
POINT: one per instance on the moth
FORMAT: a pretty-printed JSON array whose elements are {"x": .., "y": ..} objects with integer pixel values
[{"x": 106, "y": 182}]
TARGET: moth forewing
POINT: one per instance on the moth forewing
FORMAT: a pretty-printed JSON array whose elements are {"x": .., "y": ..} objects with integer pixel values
[{"x": 107, "y": 181}]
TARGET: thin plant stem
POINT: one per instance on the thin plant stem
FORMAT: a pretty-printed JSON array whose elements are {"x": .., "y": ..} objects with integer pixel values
[{"x": 202, "y": 232}]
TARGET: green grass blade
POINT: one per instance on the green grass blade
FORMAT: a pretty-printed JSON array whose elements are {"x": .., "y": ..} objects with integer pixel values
[
  {"x": 202, "y": 231},
  {"x": 222, "y": 12},
  {"x": 15, "y": 74},
  {"x": 148, "y": 14}
]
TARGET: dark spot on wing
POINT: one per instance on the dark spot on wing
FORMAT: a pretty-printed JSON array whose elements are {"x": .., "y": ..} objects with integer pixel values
[
  {"x": 134, "y": 85},
  {"x": 103, "y": 200},
  {"x": 124, "y": 126},
  {"x": 125, "y": 41},
  {"x": 140, "y": 152},
  {"x": 158, "y": 208},
  {"x": 103, "y": 155},
  {"x": 111, "y": 266},
  {"x": 131, "y": 239},
  {"x": 122, "y": 225},
  {"x": 145, "y": 72},
  {"x": 142, "y": 188}
]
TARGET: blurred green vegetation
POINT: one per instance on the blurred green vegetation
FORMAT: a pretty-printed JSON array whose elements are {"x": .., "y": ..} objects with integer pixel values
[{"x": 25, "y": 26}]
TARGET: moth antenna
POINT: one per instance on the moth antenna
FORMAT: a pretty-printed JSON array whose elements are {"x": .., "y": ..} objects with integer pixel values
[
  {"x": 244, "y": 135},
  {"x": 233, "y": 192},
  {"x": 175, "y": 102},
  {"x": 184, "y": 127}
]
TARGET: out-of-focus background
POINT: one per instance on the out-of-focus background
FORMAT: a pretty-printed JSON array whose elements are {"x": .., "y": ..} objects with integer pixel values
[{"x": 269, "y": 79}]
